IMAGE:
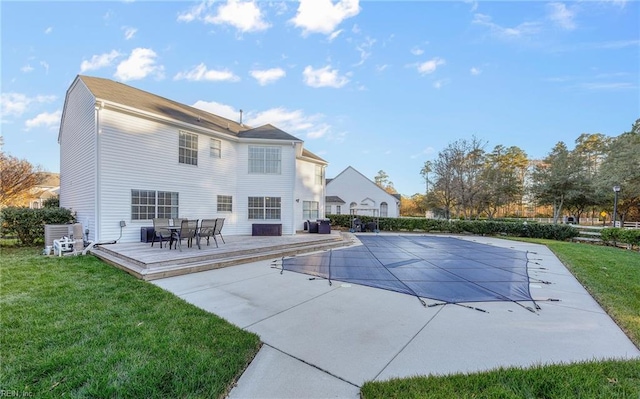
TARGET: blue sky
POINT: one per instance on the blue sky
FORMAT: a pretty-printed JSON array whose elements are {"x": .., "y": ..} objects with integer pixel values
[{"x": 377, "y": 85}]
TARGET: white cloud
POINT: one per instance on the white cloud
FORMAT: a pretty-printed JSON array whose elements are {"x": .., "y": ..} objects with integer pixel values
[
  {"x": 216, "y": 108},
  {"x": 295, "y": 122},
  {"x": 430, "y": 66},
  {"x": 474, "y": 4},
  {"x": 99, "y": 61},
  {"x": 417, "y": 51},
  {"x": 365, "y": 50},
  {"x": 323, "y": 77},
  {"x": 323, "y": 16},
  {"x": 380, "y": 68},
  {"x": 200, "y": 72},
  {"x": 562, "y": 16},
  {"x": 524, "y": 29},
  {"x": 140, "y": 64},
  {"x": 267, "y": 76},
  {"x": 475, "y": 71},
  {"x": 244, "y": 16},
  {"x": 44, "y": 119},
  {"x": 335, "y": 34},
  {"x": 129, "y": 32},
  {"x": 48, "y": 30},
  {"x": 27, "y": 68},
  {"x": 609, "y": 86},
  {"x": 438, "y": 84},
  {"x": 45, "y": 66},
  {"x": 15, "y": 104}
]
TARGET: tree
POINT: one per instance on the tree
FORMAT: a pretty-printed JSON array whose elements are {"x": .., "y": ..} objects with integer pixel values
[
  {"x": 555, "y": 177},
  {"x": 503, "y": 178},
  {"x": 424, "y": 172},
  {"x": 621, "y": 167},
  {"x": 17, "y": 178},
  {"x": 381, "y": 179}
]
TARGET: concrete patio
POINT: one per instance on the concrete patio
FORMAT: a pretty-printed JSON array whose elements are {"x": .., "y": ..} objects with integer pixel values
[{"x": 324, "y": 340}]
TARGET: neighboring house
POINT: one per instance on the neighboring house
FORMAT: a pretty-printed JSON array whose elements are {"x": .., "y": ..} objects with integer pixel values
[
  {"x": 129, "y": 156},
  {"x": 48, "y": 187},
  {"x": 352, "y": 193}
]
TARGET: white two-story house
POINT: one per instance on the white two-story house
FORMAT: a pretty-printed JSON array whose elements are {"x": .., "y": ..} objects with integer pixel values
[{"x": 128, "y": 156}]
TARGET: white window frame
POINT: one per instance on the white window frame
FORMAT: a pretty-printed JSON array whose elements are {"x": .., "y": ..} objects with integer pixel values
[
  {"x": 265, "y": 160},
  {"x": 319, "y": 175},
  {"x": 224, "y": 203},
  {"x": 215, "y": 148},
  {"x": 384, "y": 210},
  {"x": 188, "y": 148},
  {"x": 149, "y": 204},
  {"x": 310, "y": 210},
  {"x": 264, "y": 208}
]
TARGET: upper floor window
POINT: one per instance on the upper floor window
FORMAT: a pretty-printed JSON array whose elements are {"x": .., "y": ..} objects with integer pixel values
[
  {"x": 225, "y": 203},
  {"x": 215, "y": 148},
  {"x": 265, "y": 160},
  {"x": 188, "y": 148},
  {"x": 319, "y": 175}
]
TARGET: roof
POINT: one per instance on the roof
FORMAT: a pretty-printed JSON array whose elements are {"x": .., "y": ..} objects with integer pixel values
[
  {"x": 334, "y": 199},
  {"x": 397, "y": 196},
  {"x": 267, "y": 131},
  {"x": 120, "y": 93}
]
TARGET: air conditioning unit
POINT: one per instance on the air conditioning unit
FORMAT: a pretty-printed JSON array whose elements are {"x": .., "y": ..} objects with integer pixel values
[{"x": 57, "y": 231}]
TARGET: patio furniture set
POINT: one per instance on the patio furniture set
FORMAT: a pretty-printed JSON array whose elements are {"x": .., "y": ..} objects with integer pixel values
[{"x": 176, "y": 230}]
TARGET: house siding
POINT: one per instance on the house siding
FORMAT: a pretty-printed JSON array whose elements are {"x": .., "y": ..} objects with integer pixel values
[
  {"x": 307, "y": 190},
  {"x": 77, "y": 141},
  {"x": 138, "y": 153},
  {"x": 351, "y": 186}
]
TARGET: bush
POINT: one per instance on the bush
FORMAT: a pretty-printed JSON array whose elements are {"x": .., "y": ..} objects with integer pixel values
[
  {"x": 28, "y": 224},
  {"x": 53, "y": 202},
  {"x": 478, "y": 227},
  {"x": 615, "y": 235}
]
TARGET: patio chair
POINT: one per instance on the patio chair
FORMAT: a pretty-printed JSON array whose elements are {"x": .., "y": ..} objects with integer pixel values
[
  {"x": 160, "y": 231},
  {"x": 207, "y": 229},
  {"x": 189, "y": 231},
  {"x": 218, "y": 230}
]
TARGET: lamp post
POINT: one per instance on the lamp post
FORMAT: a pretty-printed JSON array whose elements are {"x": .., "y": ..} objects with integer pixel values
[{"x": 616, "y": 190}]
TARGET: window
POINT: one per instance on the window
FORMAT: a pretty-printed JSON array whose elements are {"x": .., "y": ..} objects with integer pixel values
[
  {"x": 264, "y": 208},
  {"x": 319, "y": 174},
  {"x": 225, "y": 203},
  {"x": 188, "y": 148},
  {"x": 215, "y": 148},
  {"x": 148, "y": 204},
  {"x": 338, "y": 210},
  {"x": 310, "y": 209},
  {"x": 384, "y": 209},
  {"x": 352, "y": 205},
  {"x": 264, "y": 160}
]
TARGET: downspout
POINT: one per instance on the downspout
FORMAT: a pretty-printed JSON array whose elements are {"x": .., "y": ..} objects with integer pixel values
[
  {"x": 96, "y": 190},
  {"x": 294, "y": 191}
]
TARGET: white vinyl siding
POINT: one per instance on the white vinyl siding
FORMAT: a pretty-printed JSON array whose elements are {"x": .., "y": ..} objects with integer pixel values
[
  {"x": 78, "y": 157},
  {"x": 265, "y": 160},
  {"x": 188, "y": 148}
]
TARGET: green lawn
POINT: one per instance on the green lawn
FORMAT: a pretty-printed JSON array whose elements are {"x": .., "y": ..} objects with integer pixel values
[
  {"x": 76, "y": 327},
  {"x": 612, "y": 276}
]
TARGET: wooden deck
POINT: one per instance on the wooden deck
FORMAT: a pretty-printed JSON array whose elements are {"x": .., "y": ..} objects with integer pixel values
[{"x": 149, "y": 263}]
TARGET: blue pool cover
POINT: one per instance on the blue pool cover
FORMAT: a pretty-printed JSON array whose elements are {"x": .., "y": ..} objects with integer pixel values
[{"x": 446, "y": 269}]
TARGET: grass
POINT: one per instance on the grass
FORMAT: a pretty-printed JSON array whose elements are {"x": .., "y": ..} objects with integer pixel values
[
  {"x": 612, "y": 277},
  {"x": 76, "y": 327}
]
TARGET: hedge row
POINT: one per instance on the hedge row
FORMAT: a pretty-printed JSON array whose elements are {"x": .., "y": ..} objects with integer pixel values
[
  {"x": 478, "y": 227},
  {"x": 616, "y": 235},
  {"x": 28, "y": 224}
]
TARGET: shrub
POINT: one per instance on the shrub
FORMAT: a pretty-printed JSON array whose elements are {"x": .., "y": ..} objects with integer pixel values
[
  {"x": 28, "y": 224},
  {"x": 53, "y": 202},
  {"x": 478, "y": 227}
]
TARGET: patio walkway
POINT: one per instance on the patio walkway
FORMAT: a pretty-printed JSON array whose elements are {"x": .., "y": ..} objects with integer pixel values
[{"x": 149, "y": 263}]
